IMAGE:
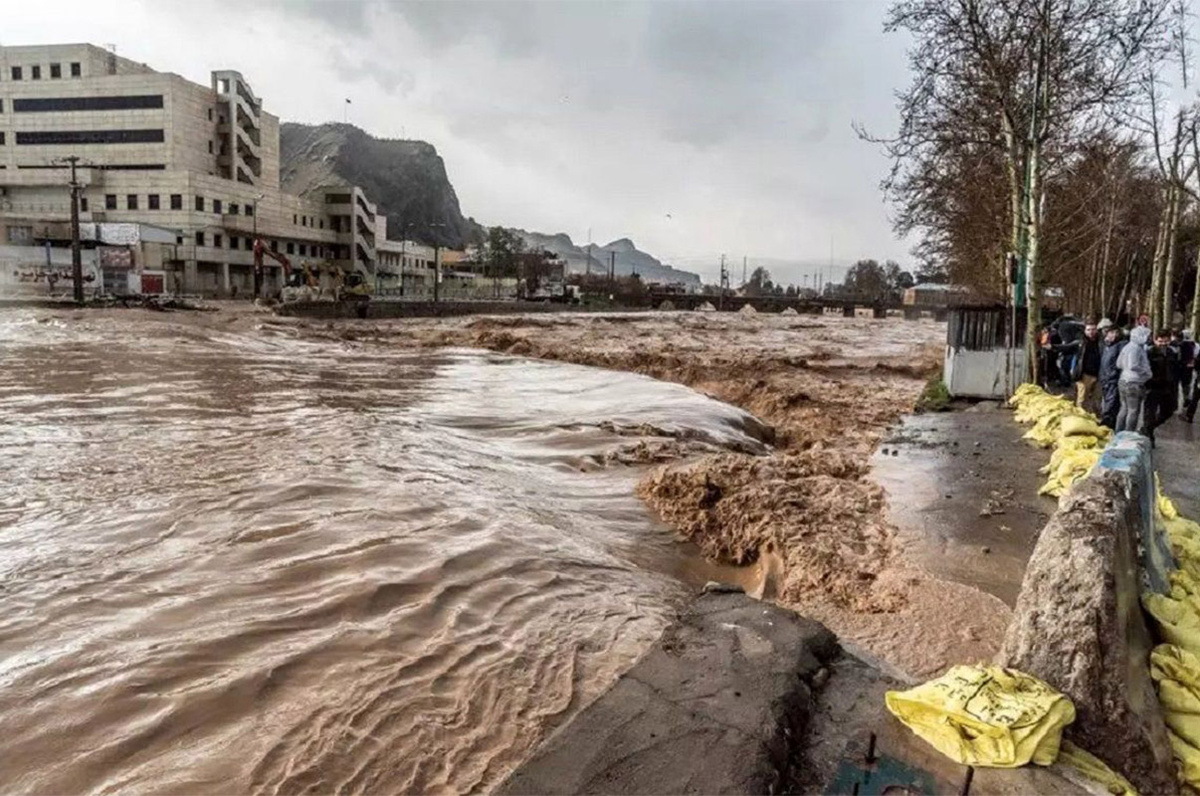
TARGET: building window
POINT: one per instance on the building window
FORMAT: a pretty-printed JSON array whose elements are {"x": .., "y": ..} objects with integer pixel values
[
  {"x": 1, "y": 138},
  {"x": 233, "y": 209},
  {"x": 176, "y": 201},
  {"x": 217, "y": 206},
  {"x": 210, "y": 147},
  {"x": 303, "y": 250},
  {"x": 152, "y": 201},
  {"x": 131, "y": 201},
  {"x": 1, "y": 106},
  {"x": 304, "y": 221},
  {"x": 290, "y": 248},
  {"x": 248, "y": 244},
  {"x": 178, "y": 240},
  {"x": 16, "y": 73},
  {"x": 322, "y": 223},
  {"x": 199, "y": 238},
  {"x": 90, "y": 137},
  {"x": 110, "y": 201},
  {"x": 55, "y": 71},
  {"x": 274, "y": 245},
  {"x": 217, "y": 241},
  {"x": 233, "y": 241},
  {"x": 135, "y": 102},
  {"x": 249, "y": 210},
  {"x": 76, "y": 70},
  {"x": 210, "y": 114},
  {"x": 200, "y": 204},
  {"x": 294, "y": 219},
  {"x": 35, "y": 72},
  {"x": 83, "y": 204}
]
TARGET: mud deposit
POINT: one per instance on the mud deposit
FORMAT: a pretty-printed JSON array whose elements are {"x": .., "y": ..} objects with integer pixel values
[
  {"x": 807, "y": 513},
  {"x": 240, "y": 559}
]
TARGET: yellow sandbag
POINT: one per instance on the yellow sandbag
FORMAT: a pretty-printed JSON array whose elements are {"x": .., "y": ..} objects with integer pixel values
[
  {"x": 1094, "y": 769},
  {"x": 1177, "y": 621},
  {"x": 1080, "y": 426},
  {"x": 1187, "y": 760},
  {"x": 1165, "y": 507},
  {"x": 1072, "y": 466},
  {"x": 1184, "y": 536},
  {"x": 986, "y": 716},
  {"x": 1176, "y": 675}
]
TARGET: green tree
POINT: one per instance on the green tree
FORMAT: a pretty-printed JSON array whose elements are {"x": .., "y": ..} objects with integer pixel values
[
  {"x": 502, "y": 252},
  {"x": 759, "y": 283}
]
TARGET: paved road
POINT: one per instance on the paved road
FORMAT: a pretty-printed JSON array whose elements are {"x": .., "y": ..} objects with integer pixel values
[{"x": 1177, "y": 459}]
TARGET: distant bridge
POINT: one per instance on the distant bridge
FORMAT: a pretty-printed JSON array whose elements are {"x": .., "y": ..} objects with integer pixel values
[{"x": 805, "y": 306}]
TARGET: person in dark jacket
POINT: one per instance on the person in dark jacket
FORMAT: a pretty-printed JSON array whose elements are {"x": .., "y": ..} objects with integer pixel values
[
  {"x": 1110, "y": 374},
  {"x": 1191, "y": 385},
  {"x": 1084, "y": 356},
  {"x": 1161, "y": 395}
]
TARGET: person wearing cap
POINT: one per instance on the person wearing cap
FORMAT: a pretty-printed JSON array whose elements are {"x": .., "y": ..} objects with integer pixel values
[{"x": 1110, "y": 375}]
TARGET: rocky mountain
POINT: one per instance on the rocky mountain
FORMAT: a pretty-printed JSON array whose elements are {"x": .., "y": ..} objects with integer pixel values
[
  {"x": 622, "y": 254},
  {"x": 408, "y": 182},
  {"x": 406, "y": 179}
]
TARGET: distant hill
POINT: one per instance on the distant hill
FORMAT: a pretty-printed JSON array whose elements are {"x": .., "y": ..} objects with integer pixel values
[
  {"x": 408, "y": 182},
  {"x": 628, "y": 259}
]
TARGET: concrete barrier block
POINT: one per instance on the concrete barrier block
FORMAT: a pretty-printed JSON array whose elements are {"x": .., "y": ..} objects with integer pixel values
[
  {"x": 1079, "y": 625},
  {"x": 718, "y": 705}
]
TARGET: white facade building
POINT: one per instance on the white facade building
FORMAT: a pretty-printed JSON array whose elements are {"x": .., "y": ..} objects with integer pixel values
[{"x": 160, "y": 150}]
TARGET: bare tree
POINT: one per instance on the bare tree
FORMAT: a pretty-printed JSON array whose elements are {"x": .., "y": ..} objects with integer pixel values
[{"x": 1020, "y": 79}]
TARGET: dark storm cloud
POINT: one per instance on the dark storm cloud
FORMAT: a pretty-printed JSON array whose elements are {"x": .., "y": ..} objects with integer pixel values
[{"x": 732, "y": 117}]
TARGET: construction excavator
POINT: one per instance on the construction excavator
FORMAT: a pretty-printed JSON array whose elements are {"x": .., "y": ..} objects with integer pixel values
[
  {"x": 259, "y": 250},
  {"x": 304, "y": 284}
]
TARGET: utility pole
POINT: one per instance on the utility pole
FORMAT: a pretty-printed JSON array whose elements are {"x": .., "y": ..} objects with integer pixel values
[
  {"x": 76, "y": 255},
  {"x": 588, "y": 265},
  {"x": 437, "y": 263},
  {"x": 724, "y": 284},
  {"x": 437, "y": 270},
  {"x": 612, "y": 267},
  {"x": 743, "y": 270}
]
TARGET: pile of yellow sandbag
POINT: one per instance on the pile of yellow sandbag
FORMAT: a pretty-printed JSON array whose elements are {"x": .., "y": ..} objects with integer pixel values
[
  {"x": 1175, "y": 665},
  {"x": 1075, "y": 434}
]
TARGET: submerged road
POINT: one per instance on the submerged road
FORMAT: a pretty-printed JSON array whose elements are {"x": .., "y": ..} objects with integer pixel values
[{"x": 1175, "y": 459}]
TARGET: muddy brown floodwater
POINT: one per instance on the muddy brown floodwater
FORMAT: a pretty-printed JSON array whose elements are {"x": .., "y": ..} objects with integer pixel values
[
  {"x": 235, "y": 561},
  {"x": 251, "y": 554},
  {"x": 807, "y": 513}
]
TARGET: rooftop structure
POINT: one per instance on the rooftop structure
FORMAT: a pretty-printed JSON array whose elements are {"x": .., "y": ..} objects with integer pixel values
[{"x": 156, "y": 148}]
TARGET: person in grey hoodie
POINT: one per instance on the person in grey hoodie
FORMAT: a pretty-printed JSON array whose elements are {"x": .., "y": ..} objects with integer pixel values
[{"x": 1135, "y": 373}]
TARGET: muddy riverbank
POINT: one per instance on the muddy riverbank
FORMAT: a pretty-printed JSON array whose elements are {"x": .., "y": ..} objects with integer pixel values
[{"x": 807, "y": 514}]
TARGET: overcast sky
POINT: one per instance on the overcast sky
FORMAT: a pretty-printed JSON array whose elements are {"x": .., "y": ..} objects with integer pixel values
[{"x": 694, "y": 128}]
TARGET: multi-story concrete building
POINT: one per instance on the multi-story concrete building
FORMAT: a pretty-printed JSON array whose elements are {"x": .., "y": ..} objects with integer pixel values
[
  {"x": 158, "y": 149},
  {"x": 404, "y": 268}
]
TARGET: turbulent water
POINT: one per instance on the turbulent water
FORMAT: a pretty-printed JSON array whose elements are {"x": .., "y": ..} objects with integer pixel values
[{"x": 249, "y": 563}]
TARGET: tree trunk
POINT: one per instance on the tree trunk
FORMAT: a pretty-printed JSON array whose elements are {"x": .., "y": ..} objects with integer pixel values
[
  {"x": 1106, "y": 255},
  {"x": 1160, "y": 249},
  {"x": 1196, "y": 301},
  {"x": 1033, "y": 284},
  {"x": 1168, "y": 280}
]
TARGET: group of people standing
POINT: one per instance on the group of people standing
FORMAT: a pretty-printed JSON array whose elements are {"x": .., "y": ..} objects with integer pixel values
[{"x": 1135, "y": 382}]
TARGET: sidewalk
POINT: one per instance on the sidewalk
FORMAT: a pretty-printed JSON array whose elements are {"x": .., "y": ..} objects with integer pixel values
[{"x": 1177, "y": 460}]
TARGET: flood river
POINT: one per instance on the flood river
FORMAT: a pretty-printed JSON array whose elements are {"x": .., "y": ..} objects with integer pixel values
[{"x": 247, "y": 563}]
